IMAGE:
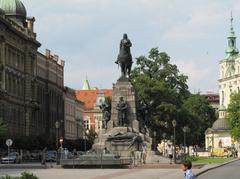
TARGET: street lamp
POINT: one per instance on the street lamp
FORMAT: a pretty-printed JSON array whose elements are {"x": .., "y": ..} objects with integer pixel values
[
  {"x": 174, "y": 124},
  {"x": 78, "y": 121},
  {"x": 164, "y": 137},
  {"x": 155, "y": 140},
  {"x": 85, "y": 141},
  {"x": 57, "y": 126},
  {"x": 185, "y": 130}
]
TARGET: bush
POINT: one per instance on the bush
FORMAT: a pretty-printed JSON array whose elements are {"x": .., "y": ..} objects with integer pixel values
[
  {"x": 24, "y": 175},
  {"x": 192, "y": 158}
]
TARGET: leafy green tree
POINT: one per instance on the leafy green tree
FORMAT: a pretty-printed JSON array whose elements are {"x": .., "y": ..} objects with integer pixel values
[
  {"x": 199, "y": 117},
  {"x": 161, "y": 86},
  {"x": 164, "y": 91},
  {"x": 91, "y": 136},
  {"x": 233, "y": 115}
]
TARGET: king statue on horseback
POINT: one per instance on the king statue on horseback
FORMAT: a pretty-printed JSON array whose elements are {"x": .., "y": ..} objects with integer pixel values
[{"x": 124, "y": 59}]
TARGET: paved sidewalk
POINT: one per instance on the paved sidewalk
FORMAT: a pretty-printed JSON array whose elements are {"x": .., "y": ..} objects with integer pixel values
[{"x": 102, "y": 173}]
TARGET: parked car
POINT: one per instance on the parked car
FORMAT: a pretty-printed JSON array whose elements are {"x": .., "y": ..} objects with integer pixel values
[
  {"x": 13, "y": 157},
  {"x": 51, "y": 156}
]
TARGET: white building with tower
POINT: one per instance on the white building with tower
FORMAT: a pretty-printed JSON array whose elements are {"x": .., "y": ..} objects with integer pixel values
[{"x": 229, "y": 82}]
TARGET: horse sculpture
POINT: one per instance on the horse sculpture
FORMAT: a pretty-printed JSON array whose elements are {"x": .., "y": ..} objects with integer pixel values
[{"x": 125, "y": 58}]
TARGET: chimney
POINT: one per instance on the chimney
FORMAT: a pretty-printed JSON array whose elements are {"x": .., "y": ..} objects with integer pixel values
[
  {"x": 55, "y": 58},
  {"x": 47, "y": 53},
  {"x": 30, "y": 23}
]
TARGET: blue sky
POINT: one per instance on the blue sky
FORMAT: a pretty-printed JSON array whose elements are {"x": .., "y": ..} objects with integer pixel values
[{"x": 86, "y": 34}]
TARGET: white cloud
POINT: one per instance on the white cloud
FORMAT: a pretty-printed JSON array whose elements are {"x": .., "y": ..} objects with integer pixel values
[{"x": 86, "y": 34}]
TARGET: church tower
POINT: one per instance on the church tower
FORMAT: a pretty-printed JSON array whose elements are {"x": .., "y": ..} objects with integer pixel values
[{"x": 229, "y": 80}]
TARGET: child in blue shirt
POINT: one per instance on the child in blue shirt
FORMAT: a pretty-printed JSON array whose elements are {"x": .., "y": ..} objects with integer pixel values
[{"x": 187, "y": 169}]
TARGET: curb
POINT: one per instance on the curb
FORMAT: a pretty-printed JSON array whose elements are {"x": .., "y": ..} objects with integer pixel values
[
  {"x": 24, "y": 167},
  {"x": 214, "y": 167}
]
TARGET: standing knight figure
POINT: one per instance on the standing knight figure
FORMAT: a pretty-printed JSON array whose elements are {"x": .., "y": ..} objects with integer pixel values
[
  {"x": 106, "y": 110},
  {"x": 125, "y": 58},
  {"x": 122, "y": 112}
]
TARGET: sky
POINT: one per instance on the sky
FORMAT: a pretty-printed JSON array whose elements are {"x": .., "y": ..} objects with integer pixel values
[{"x": 86, "y": 34}]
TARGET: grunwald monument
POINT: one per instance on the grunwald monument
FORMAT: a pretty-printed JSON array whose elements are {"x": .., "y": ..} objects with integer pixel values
[{"x": 124, "y": 129}]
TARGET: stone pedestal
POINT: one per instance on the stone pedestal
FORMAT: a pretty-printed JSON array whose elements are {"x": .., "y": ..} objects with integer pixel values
[
  {"x": 124, "y": 89},
  {"x": 123, "y": 140}
]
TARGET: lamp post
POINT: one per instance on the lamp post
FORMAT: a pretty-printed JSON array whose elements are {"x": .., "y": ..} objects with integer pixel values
[
  {"x": 155, "y": 140},
  {"x": 57, "y": 126},
  {"x": 78, "y": 121},
  {"x": 185, "y": 130},
  {"x": 164, "y": 137},
  {"x": 174, "y": 124},
  {"x": 85, "y": 141}
]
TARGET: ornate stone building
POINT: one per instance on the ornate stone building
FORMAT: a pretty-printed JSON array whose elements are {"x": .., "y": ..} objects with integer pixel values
[
  {"x": 18, "y": 63},
  {"x": 50, "y": 85},
  {"x": 31, "y": 83}
]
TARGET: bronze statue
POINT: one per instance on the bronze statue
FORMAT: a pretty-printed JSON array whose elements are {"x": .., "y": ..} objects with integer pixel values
[
  {"x": 125, "y": 58},
  {"x": 106, "y": 110},
  {"x": 122, "y": 112}
]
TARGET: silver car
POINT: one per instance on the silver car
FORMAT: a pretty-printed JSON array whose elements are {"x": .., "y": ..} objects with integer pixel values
[{"x": 13, "y": 157}]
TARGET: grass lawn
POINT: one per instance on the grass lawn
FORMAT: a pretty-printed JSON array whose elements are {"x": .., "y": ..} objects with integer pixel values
[{"x": 208, "y": 160}]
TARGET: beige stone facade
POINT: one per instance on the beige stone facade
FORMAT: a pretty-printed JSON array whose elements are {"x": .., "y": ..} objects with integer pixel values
[
  {"x": 31, "y": 83},
  {"x": 229, "y": 81},
  {"x": 73, "y": 118},
  {"x": 50, "y": 79}
]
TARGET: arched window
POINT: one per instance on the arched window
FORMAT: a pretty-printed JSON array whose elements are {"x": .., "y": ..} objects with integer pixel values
[{"x": 223, "y": 97}]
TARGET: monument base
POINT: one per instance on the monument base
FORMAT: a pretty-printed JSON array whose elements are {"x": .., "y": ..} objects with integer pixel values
[{"x": 122, "y": 141}]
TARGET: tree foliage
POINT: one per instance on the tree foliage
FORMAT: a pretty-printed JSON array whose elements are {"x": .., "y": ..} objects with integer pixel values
[
  {"x": 233, "y": 115},
  {"x": 164, "y": 91},
  {"x": 160, "y": 85},
  {"x": 200, "y": 116},
  {"x": 91, "y": 136}
]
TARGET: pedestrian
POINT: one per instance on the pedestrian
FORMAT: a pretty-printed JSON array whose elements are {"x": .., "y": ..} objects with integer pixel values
[
  {"x": 170, "y": 153},
  {"x": 65, "y": 153},
  {"x": 44, "y": 156},
  {"x": 106, "y": 151},
  {"x": 187, "y": 169},
  {"x": 144, "y": 153}
]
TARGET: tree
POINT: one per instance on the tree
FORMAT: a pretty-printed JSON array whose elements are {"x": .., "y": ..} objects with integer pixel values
[
  {"x": 91, "y": 136},
  {"x": 233, "y": 115},
  {"x": 161, "y": 87},
  {"x": 199, "y": 117}
]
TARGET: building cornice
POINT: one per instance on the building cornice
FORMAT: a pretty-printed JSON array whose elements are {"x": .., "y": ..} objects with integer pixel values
[
  {"x": 20, "y": 31},
  {"x": 229, "y": 78}
]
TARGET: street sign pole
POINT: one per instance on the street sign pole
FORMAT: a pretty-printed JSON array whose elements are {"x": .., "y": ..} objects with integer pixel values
[
  {"x": 9, "y": 143},
  {"x": 8, "y": 153}
]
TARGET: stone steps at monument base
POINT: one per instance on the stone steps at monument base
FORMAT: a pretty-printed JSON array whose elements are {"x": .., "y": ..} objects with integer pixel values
[{"x": 153, "y": 158}]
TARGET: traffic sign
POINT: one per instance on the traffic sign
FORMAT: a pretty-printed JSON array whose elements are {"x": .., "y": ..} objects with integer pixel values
[{"x": 9, "y": 142}]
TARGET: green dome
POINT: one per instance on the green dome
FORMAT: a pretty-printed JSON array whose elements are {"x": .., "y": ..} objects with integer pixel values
[
  {"x": 222, "y": 108},
  {"x": 221, "y": 124},
  {"x": 13, "y": 8}
]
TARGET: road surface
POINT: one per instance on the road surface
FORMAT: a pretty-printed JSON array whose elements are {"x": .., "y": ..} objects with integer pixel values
[{"x": 230, "y": 171}]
